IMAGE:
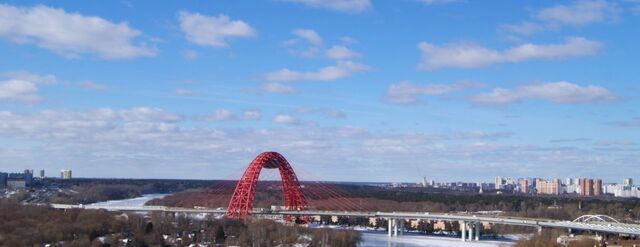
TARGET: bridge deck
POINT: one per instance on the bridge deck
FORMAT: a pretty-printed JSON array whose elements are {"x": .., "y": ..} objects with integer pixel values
[{"x": 617, "y": 228}]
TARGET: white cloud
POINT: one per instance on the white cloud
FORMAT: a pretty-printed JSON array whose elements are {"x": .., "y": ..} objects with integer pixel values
[
  {"x": 218, "y": 115},
  {"x": 311, "y": 46},
  {"x": 212, "y": 30},
  {"x": 251, "y": 115},
  {"x": 579, "y": 13},
  {"x": 307, "y": 52},
  {"x": 276, "y": 87},
  {"x": 151, "y": 147},
  {"x": 480, "y": 135},
  {"x": 308, "y": 35},
  {"x": 524, "y": 28},
  {"x": 286, "y": 119},
  {"x": 70, "y": 34},
  {"x": 18, "y": 91},
  {"x": 143, "y": 114},
  {"x": 31, "y": 77},
  {"x": 102, "y": 126},
  {"x": 330, "y": 73},
  {"x": 473, "y": 56},
  {"x": 350, "y": 6},
  {"x": 339, "y": 52},
  {"x": 408, "y": 93},
  {"x": 557, "y": 92},
  {"x": 228, "y": 115},
  {"x": 23, "y": 86}
]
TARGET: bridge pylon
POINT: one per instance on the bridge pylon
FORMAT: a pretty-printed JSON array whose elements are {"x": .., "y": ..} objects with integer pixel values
[{"x": 241, "y": 203}]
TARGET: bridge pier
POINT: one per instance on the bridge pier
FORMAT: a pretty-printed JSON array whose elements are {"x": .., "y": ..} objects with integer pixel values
[
  {"x": 467, "y": 231},
  {"x": 477, "y": 226},
  {"x": 395, "y": 227},
  {"x": 463, "y": 231}
]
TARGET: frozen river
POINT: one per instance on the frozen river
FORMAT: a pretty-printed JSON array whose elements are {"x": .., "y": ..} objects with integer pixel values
[
  {"x": 371, "y": 239},
  {"x": 138, "y": 201}
]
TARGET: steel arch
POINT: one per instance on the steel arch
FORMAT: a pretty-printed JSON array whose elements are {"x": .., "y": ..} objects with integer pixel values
[
  {"x": 241, "y": 202},
  {"x": 597, "y": 218}
]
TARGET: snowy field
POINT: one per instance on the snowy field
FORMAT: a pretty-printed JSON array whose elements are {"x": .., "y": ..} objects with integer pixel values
[
  {"x": 371, "y": 239},
  {"x": 138, "y": 201}
]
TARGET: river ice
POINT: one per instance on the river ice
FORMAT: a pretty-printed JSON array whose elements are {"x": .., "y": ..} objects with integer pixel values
[{"x": 138, "y": 201}]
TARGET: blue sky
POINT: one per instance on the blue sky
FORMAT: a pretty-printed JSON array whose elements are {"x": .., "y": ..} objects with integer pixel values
[{"x": 354, "y": 90}]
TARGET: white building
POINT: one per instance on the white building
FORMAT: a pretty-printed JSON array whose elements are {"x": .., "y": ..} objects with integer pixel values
[
  {"x": 571, "y": 188},
  {"x": 65, "y": 174},
  {"x": 627, "y": 191},
  {"x": 628, "y": 181},
  {"x": 499, "y": 182}
]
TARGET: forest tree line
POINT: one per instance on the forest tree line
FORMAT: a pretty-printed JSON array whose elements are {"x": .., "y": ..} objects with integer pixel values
[{"x": 30, "y": 225}]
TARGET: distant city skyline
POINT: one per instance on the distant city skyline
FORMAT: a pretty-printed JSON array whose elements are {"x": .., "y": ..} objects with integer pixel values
[{"x": 353, "y": 90}]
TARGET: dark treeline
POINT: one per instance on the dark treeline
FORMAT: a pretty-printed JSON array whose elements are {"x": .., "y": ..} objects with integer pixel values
[
  {"x": 26, "y": 225},
  {"x": 268, "y": 193},
  {"x": 90, "y": 193},
  {"x": 370, "y": 198},
  {"x": 147, "y": 186},
  {"x": 85, "y": 190},
  {"x": 537, "y": 206}
]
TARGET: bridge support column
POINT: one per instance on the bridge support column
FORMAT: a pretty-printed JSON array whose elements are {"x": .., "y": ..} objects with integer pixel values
[
  {"x": 390, "y": 222},
  {"x": 470, "y": 231},
  {"x": 463, "y": 231},
  {"x": 477, "y": 226},
  {"x": 395, "y": 227},
  {"x": 540, "y": 230},
  {"x": 402, "y": 227}
]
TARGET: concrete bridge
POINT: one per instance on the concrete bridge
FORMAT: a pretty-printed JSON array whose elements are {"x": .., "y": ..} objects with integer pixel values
[{"x": 470, "y": 223}]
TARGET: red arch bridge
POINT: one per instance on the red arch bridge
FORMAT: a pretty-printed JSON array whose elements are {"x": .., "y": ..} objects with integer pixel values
[
  {"x": 295, "y": 204},
  {"x": 241, "y": 203}
]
